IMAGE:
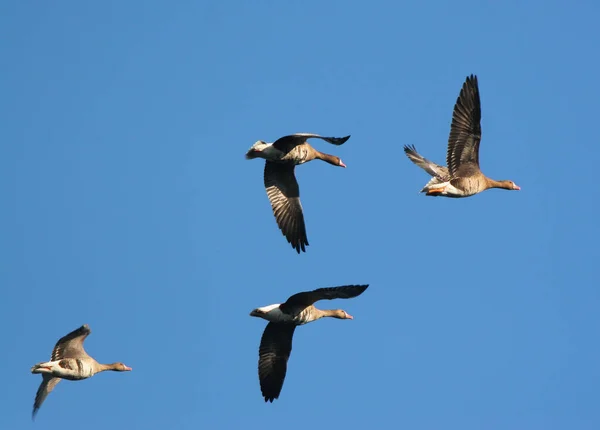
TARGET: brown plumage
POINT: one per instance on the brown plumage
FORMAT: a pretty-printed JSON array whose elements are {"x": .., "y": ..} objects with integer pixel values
[
  {"x": 281, "y": 185},
  {"x": 462, "y": 177},
  {"x": 69, "y": 361},
  {"x": 276, "y": 341}
]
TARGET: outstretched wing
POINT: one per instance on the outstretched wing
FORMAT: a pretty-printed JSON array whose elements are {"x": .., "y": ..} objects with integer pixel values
[
  {"x": 284, "y": 195},
  {"x": 71, "y": 345},
  {"x": 47, "y": 385},
  {"x": 287, "y": 143},
  {"x": 465, "y": 131},
  {"x": 435, "y": 170},
  {"x": 308, "y": 298},
  {"x": 273, "y": 354}
]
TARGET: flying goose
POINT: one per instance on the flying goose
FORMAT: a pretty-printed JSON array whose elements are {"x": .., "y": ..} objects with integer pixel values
[
  {"x": 462, "y": 177},
  {"x": 276, "y": 342},
  {"x": 69, "y": 361},
  {"x": 281, "y": 157}
]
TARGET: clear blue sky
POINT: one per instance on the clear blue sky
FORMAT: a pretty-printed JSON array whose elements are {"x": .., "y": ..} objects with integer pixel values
[{"x": 128, "y": 205}]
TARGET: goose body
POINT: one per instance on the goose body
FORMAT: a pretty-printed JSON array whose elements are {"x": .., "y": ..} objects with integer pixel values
[
  {"x": 72, "y": 369},
  {"x": 463, "y": 176},
  {"x": 276, "y": 341},
  {"x": 69, "y": 361},
  {"x": 282, "y": 156},
  {"x": 273, "y": 313}
]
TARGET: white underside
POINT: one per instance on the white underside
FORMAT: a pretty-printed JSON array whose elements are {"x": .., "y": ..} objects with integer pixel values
[
  {"x": 56, "y": 370},
  {"x": 447, "y": 189}
]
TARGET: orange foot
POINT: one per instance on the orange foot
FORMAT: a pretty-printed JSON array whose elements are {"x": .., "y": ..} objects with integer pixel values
[{"x": 435, "y": 191}]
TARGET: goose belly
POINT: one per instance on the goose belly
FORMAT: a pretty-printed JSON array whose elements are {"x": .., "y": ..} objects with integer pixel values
[
  {"x": 447, "y": 189},
  {"x": 451, "y": 190},
  {"x": 73, "y": 369}
]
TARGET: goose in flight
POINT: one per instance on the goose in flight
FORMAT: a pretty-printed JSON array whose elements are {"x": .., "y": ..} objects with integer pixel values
[
  {"x": 462, "y": 177},
  {"x": 276, "y": 342},
  {"x": 69, "y": 361},
  {"x": 281, "y": 157}
]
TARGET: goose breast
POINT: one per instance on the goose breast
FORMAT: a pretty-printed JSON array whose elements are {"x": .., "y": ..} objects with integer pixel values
[
  {"x": 299, "y": 154},
  {"x": 305, "y": 316}
]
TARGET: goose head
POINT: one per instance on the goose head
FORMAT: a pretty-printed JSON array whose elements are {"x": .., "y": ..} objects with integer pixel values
[
  {"x": 119, "y": 367},
  {"x": 508, "y": 185},
  {"x": 340, "y": 314}
]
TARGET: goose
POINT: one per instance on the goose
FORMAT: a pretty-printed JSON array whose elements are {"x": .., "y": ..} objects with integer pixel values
[
  {"x": 462, "y": 177},
  {"x": 69, "y": 361},
  {"x": 276, "y": 341},
  {"x": 281, "y": 157}
]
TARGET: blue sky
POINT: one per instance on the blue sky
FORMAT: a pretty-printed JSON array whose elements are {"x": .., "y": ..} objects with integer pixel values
[{"x": 128, "y": 205}]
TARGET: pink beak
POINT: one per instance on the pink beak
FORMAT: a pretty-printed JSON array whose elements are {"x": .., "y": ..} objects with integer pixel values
[
  {"x": 350, "y": 317},
  {"x": 342, "y": 164},
  {"x": 128, "y": 368},
  {"x": 517, "y": 187}
]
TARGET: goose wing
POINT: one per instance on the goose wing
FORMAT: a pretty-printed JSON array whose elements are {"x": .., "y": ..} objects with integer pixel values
[
  {"x": 284, "y": 194},
  {"x": 462, "y": 156},
  {"x": 273, "y": 354}
]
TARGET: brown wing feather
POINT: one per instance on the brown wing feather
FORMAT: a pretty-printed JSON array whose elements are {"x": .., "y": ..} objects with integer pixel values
[
  {"x": 287, "y": 143},
  {"x": 46, "y": 387},
  {"x": 435, "y": 170},
  {"x": 71, "y": 345},
  {"x": 273, "y": 354},
  {"x": 465, "y": 131},
  {"x": 284, "y": 195},
  {"x": 308, "y": 298}
]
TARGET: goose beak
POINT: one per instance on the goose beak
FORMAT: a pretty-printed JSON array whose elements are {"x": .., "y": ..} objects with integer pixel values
[
  {"x": 517, "y": 187},
  {"x": 342, "y": 164},
  {"x": 350, "y": 317},
  {"x": 128, "y": 368}
]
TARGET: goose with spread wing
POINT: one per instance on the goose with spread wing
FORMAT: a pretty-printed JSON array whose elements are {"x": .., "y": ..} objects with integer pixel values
[
  {"x": 276, "y": 342},
  {"x": 69, "y": 361},
  {"x": 462, "y": 177},
  {"x": 281, "y": 157}
]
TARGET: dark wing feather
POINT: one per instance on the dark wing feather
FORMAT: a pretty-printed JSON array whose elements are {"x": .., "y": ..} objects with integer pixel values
[
  {"x": 308, "y": 298},
  {"x": 46, "y": 387},
  {"x": 273, "y": 354},
  {"x": 430, "y": 167},
  {"x": 71, "y": 345},
  {"x": 465, "y": 131},
  {"x": 287, "y": 143},
  {"x": 284, "y": 195}
]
